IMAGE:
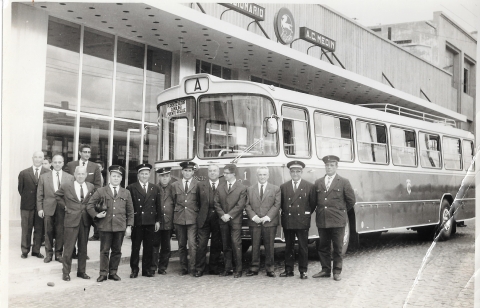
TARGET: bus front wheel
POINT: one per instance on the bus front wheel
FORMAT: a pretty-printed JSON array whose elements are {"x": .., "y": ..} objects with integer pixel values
[{"x": 447, "y": 222}]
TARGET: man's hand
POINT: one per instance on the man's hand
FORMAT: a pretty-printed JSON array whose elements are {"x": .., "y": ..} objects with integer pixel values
[
  {"x": 128, "y": 232},
  {"x": 101, "y": 214},
  {"x": 157, "y": 226},
  {"x": 226, "y": 217},
  {"x": 41, "y": 214},
  {"x": 257, "y": 219},
  {"x": 265, "y": 219}
]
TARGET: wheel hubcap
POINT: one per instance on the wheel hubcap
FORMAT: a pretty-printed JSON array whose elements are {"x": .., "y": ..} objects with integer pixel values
[{"x": 446, "y": 219}]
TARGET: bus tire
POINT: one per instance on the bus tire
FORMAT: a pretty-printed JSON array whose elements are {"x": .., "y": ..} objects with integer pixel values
[
  {"x": 346, "y": 241},
  {"x": 446, "y": 224}
]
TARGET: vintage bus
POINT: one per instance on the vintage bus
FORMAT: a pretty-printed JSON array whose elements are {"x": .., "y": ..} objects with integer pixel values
[{"x": 409, "y": 169}]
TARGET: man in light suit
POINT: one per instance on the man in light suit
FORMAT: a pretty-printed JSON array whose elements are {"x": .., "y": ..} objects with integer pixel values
[
  {"x": 335, "y": 197},
  {"x": 73, "y": 197},
  {"x": 230, "y": 199},
  {"x": 52, "y": 215},
  {"x": 263, "y": 205},
  {"x": 27, "y": 188}
]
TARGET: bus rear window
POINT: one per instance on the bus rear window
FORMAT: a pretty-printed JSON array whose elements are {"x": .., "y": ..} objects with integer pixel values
[
  {"x": 372, "y": 143},
  {"x": 452, "y": 155},
  {"x": 404, "y": 151},
  {"x": 429, "y": 150},
  {"x": 333, "y": 136}
]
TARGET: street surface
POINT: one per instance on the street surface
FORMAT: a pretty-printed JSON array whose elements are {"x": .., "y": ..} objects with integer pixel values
[{"x": 379, "y": 274}]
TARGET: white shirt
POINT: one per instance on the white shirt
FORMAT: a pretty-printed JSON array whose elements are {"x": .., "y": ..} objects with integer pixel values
[
  {"x": 142, "y": 184},
  {"x": 260, "y": 187},
  {"x": 56, "y": 185},
  {"x": 39, "y": 170},
  {"x": 216, "y": 183},
  {"x": 77, "y": 189},
  {"x": 298, "y": 183},
  {"x": 111, "y": 188},
  {"x": 331, "y": 177}
]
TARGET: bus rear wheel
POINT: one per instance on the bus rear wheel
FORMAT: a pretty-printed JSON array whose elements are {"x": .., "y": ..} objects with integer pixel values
[
  {"x": 447, "y": 222},
  {"x": 346, "y": 240}
]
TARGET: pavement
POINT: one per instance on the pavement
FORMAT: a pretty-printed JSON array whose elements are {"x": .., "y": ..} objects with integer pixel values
[{"x": 380, "y": 273}]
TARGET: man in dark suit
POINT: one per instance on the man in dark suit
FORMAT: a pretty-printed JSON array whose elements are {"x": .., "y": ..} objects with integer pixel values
[
  {"x": 114, "y": 223},
  {"x": 208, "y": 223},
  {"x": 146, "y": 216},
  {"x": 52, "y": 214},
  {"x": 73, "y": 196},
  {"x": 184, "y": 194},
  {"x": 335, "y": 197},
  {"x": 161, "y": 242},
  {"x": 27, "y": 188},
  {"x": 230, "y": 199},
  {"x": 263, "y": 206},
  {"x": 298, "y": 202}
]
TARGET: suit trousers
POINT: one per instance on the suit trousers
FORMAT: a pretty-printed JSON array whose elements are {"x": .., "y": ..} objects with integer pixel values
[
  {"x": 161, "y": 243},
  {"x": 109, "y": 261},
  {"x": 211, "y": 226},
  {"x": 331, "y": 237},
  {"x": 232, "y": 245},
  {"x": 302, "y": 235},
  {"x": 187, "y": 234},
  {"x": 142, "y": 235},
  {"x": 54, "y": 229},
  {"x": 71, "y": 234},
  {"x": 30, "y": 220},
  {"x": 268, "y": 235}
]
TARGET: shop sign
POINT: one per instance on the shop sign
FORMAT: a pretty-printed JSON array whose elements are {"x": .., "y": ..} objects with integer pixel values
[
  {"x": 284, "y": 26},
  {"x": 196, "y": 85},
  {"x": 176, "y": 108},
  {"x": 317, "y": 39},
  {"x": 249, "y": 9}
]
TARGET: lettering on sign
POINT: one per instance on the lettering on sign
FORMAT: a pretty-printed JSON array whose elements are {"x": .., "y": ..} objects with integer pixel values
[
  {"x": 317, "y": 39},
  {"x": 196, "y": 85},
  {"x": 249, "y": 9},
  {"x": 176, "y": 108}
]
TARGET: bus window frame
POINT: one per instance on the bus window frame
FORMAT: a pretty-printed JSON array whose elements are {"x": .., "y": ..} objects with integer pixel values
[
  {"x": 472, "y": 143},
  {"x": 197, "y": 120},
  {"x": 286, "y": 104},
  {"x": 387, "y": 137},
  {"x": 440, "y": 167},
  {"x": 416, "y": 146},
  {"x": 461, "y": 153},
  {"x": 352, "y": 148}
]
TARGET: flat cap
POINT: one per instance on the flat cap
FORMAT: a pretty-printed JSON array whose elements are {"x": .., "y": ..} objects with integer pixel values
[
  {"x": 331, "y": 159},
  {"x": 116, "y": 168},
  {"x": 165, "y": 170},
  {"x": 144, "y": 167},
  {"x": 295, "y": 164},
  {"x": 188, "y": 164}
]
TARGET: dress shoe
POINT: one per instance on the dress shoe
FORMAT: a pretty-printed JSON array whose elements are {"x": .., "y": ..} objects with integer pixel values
[
  {"x": 38, "y": 255},
  {"x": 134, "y": 275},
  {"x": 148, "y": 274},
  {"x": 237, "y": 274},
  {"x": 101, "y": 278},
  {"x": 226, "y": 273},
  {"x": 183, "y": 272},
  {"x": 287, "y": 274},
  {"x": 74, "y": 256},
  {"x": 47, "y": 260},
  {"x": 83, "y": 275},
  {"x": 321, "y": 274},
  {"x": 271, "y": 274},
  {"x": 251, "y": 273},
  {"x": 24, "y": 256},
  {"x": 66, "y": 277},
  {"x": 198, "y": 274},
  {"x": 337, "y": 277},
  {"x": 213, "y": 272},
  {"x": 303, "y": 275},
  {"x": 93, "y": 238},
  {"x": 114, "y": 277},
  {"x": 59, "y": 259},
  {"x": 162, "y": 272}
]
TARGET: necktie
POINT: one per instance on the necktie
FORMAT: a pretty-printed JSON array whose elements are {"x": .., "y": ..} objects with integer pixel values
[
  {"x": 329, "y": 180},
  {"x": 213, "y": 187},
  {"x": 229, "y": 186},
  {"x": 145, "y": 188},
  {"x": 36, "y": 173},
  {"x": 186, "y": 186},
  {"x": 261, "y": 192},
  {"x": 294, "y": 186},
  {"x": 81, "y": 193},
  {"x": 84, "y": 164},
  {"x": 114, "y": 192},
  {"x": 58, "y": 181}
]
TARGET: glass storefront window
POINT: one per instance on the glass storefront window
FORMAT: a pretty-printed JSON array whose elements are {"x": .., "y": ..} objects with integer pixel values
[
  {"x": 97, "y": 72},
  {"x": 150, "y": 147},
  {"x": 159, "y": 64},
  {"x": 129, "y": 80},
  {"x": 95, "y": 132},
  {"x": 58, "y": 134},
  {"x": 121, "y": 130},
  {"x": 63, "y": 58}
]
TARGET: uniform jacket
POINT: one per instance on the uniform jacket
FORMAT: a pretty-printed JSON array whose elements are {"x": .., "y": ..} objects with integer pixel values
[
  {"x": 268, "y": 206},
  {"x": 74, "y": 209},
  {"x": 231, "y": 202},
  {"x": 185, "y": 203},
  {"x": 119, "y": 209},
  {"x": 333, "y": 205},
  {"x": 46, "y": 200},
  {"x": 166, "y": 208},
  {"x": 205, "y": 196},
  {"x": 146, "y": 206},
  {"x": 27, "y": 187},
  {"x": 94, "y": 175},
  {"x": 297, "y": 208}
]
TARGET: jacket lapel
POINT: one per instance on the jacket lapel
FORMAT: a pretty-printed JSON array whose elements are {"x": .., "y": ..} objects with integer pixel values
[
  {"x": 139, "y": 187},
  {"x": 297, "y": 193},
  {"x": 333, "y": 184},
  {"x": 74, "y": 193},
  {"x": 32, "y": 174},
  {"x": 149, "y": 189},
  {"x": 193, "y": 183},
  {"x": 109, "y": 191},
  {"x": 266, "y": 191},
  {"x": 322, "y": 184}
]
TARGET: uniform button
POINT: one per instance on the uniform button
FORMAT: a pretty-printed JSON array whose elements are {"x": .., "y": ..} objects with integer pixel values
[
  {"x": 325, "y": 198},
  {"x": 325, "y": 207},
  {"x": 113, "y": 215},
  {"x": 113, "y": 207},
  {"x": 289, "y": 206},
  {"x": 114, "y": 201},
  {"x": 185, "y": 207},
  {"x": 138, "y": 199},
  {"x": 164, "y": 214},
  {"x": 140, "y": 206},
  {"x": 298, "y": 214},
  {"x": 289, "y": 214},
  {"x": 185, "y": 200},
  {"x": 143, "y": 213},
  {"x": 300, "y": 197},
  {"x": 325, "y": 191}
]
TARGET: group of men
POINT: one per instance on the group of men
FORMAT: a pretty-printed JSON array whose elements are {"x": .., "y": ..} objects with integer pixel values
[{"x": 67, "y": 202}]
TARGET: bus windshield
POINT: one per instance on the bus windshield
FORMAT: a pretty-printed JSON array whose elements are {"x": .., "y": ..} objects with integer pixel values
[{"x": 230, "y": 123}]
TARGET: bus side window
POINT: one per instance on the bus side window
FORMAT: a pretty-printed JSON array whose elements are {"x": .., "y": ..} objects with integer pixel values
[
  {"x": 452, "y": 155},
  {"x": 404, "y": 147},
  {"x": 333, "y": 136},
  {"x": 429, "y": 150},
  {"x": 468, "y": 153},
  {"x": 372, "y": 143},
  {"x": 295, "y": 132}
]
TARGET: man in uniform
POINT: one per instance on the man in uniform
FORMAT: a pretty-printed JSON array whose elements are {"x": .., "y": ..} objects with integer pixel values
[
  {"x": 208, "y": 223},
  {"x": 52, "y": 214},
  {"x": 230, "y": 199},
  {"x": 161, "y": 241},
  {"x": 27, "y": 188},
  {"x": 185, "y": 216},
  {"x": 263, "y": 205},
  {"x": 298, "y": 199},
  {"x": 146, "y": 212},
  {"x": 335, "y": 197}
]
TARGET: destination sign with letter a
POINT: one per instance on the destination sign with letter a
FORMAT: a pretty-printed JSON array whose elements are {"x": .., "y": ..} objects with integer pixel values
[{"x": 196, "y": 85}]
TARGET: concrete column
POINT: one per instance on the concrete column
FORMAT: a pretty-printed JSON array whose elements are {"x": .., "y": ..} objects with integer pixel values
[{"x": 183, "y": 64}]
